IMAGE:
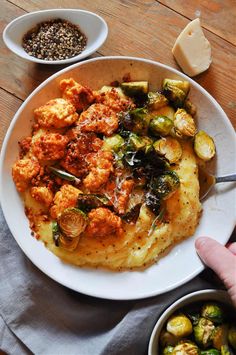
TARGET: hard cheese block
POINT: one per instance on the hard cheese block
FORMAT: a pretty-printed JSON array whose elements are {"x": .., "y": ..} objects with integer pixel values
[{"x": 192, "y": 50}]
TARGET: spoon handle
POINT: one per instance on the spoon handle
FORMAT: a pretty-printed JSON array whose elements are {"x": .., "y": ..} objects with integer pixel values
[{"x": 225, "y": 178}]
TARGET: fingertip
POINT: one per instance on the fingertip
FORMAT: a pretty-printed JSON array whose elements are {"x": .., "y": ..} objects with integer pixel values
[{"x": 201, "y": 242}]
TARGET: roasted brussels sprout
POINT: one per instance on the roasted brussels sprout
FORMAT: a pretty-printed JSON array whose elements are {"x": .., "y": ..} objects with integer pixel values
[
  {"x": 86, "y": 202},
  {"x": 168, "y": 350},
  {"x": 136, "y": 142},
  {"x": 72, "y": 222},
  {"x": 169, "y": 147},
  {"x": 64, "y": 175},
  {"x": 220, "y": 336},
  {"x": 61, "y": 240},
  {"x": 167, "y": 111},
  {"x": 167, "y": 339},
  {"x": 184, "y": 124},
  {"x": 179, "y": 325},
  {"x": 160, "y": 125},
  {"x": 113, "y": 143},
  {"x": 210, "y": 352},
  {"x": 165, "y": 184},
  {"x": 190, "y": 107},
  {"x": 204, "y": 146},
  {"x": 225, "y": 350},
  {"x": 203, "y": 332},
  {"x": 186, "y": 348},
  {"x": 138, "y": 90},
  {"x": 156, "y": 100},
  {"x": 213, "y": 312},
  {"x": 232, "y": 336},
  {"x": 136, "y": 120},
  {"x": 176, "y": 91}
]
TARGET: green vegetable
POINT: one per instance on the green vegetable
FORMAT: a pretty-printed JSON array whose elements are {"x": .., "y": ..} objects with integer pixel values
[
  {"x": 64, "y": 175},
  {"x": 165, "y": 184},
  {"x": 61, "y": 240},
  {"x": 56, "y": 233},
  {"x": 176, "y": 91},
  {"x": 160, "y": 125},
  {"x": 167, "y": 111},
  {"x": 190, "y": 107},
  {"x": 167, "y": 339},
  {"x": 169, "y": 147},
  {"x": 220, "y": 336},
  {"x": 156, "y": 100},
  {"x": 113, "y": 143},
  {"x": 186, "y": 348},
  {"x": 232, "y": 336},
  {"x": 204, "y": 146},
  {"x": 225, "y": 350},
  {"x": 203, "y": 332},
  {"x": 179, "y": 325},
  {"x": 213, "y": 312},
  {"x": 135, "y": 88},
  {"x": 210, "y": 352},
  {"x": 168, "y": 350},
  {"x": 72, "y": 222},
  {"x": 139, "y": 142},
  {"x": 87, "y": 202},
  {"x": 140, "y": 119},
  {"x": 184, "y": 124}
]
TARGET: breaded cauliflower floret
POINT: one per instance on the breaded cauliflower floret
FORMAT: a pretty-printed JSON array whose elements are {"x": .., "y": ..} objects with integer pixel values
[
  {"x": 49, "y": 146},
  {"x": 115, "y": 99},
  {"x": 98, "y": 118},
  {"x": 42, "y": 194},
  {"x": 56, "y": 113},
  {"x": 100, "y": 166},
  {"x": 80, "y": 96},
  {"x": 23, "y": 171},
  {"x": 102, "y": 222},
  {"x": 64, "y": 198}
]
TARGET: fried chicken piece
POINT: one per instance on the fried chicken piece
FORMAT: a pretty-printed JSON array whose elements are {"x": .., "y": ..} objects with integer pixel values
[
  {"x": 98, "y": 118},
  {"x": 23, "y": 171},
  {"x": 100, "y": 166},
  {"x": 115, "y": 99},
  {"x": 102, "y": 222},
  {"x": 56, "y": 113},
  {"x": 64, "y": 198},
  {"x": 79, "y": 96},
  {"x": 42, "y": 194},
  {"x": 123, "y": 195},
  {"x": 49, "y": 146},
  {"x": 77, "y": 151}
]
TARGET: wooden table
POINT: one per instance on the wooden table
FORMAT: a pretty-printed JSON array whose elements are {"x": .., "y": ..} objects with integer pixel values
[{"x": 141, "y": 28}]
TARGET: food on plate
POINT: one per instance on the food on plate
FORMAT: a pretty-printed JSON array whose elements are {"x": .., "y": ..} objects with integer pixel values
[
  {"x": 200, "y": 328},
  {"x": 109, "y": 177},
  {"x": 192, "y": 50}
]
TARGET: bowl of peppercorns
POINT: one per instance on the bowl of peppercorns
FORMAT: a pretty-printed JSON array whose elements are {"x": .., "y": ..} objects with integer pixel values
[{"x": 56, "y": 36}]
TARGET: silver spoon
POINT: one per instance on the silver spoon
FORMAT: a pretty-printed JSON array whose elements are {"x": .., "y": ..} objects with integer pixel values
[{"x": 207, "y": 181}]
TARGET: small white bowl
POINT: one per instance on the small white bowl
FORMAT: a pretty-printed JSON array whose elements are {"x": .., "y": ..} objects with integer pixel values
[
  {"x": 203, "y": 295},
  {"x": 92, "y": 25}
]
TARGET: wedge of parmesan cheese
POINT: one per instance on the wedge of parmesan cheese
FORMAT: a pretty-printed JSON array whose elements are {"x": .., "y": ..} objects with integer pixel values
[{"x": 192, "y": 50}]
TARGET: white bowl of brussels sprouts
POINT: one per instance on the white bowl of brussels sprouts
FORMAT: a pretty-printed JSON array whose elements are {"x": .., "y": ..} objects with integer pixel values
[{"x": 200, "y": 323}]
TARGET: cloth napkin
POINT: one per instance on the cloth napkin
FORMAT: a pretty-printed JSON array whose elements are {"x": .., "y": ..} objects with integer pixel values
[{"x": 39, "y": 316}]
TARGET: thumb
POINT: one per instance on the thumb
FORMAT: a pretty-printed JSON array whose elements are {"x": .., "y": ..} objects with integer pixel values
[{"x": 219, "y": 259}]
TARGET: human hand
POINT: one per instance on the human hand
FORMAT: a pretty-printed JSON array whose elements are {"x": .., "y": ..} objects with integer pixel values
[{"x": 222, "y": 260}]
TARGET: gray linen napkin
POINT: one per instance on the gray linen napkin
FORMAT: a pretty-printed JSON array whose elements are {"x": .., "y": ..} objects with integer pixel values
[{"x": 39, "y": 316}]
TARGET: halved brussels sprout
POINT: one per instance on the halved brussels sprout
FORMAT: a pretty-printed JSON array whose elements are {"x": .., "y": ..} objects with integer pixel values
[
  {"x": 156, "y": 100},
  {"x": 176, "y": 91},
  {"x": 167, "y": 111},
  {"x": 204, "y": 146},
  {"x": 87, "y": 202},
  {"x": 113, "y": 143},
  {"x": 165, "y": 184},
  {"x": 169, "y": 147},
  {"x": 213, "y": 312},
  {"x": 160, "y": 125},
  {"x": 220, "y": 336},
  {"x": 135, "y": 88},
  {"x": 136, "y": 120},
  {"x": 179, "y": 325},
  {"x": 168, "y": 339},
  {"x": 210, "y": 352},
  {"x": 186, "y": 348},
  {"x": 190, "y": 107},
  {"x": 61, "y": 240},
  {"x": 225, "y": 350},
  {"x": 168, "y": 350},
  {"x": 232, "y": 336},
  {"x": 72, "y": 222},
  {"x": 184, "y": 123},
  {"x": 140, "y": 142},
  {"x": 64, "y": 175},
  {"x": 203, "y": 332}
]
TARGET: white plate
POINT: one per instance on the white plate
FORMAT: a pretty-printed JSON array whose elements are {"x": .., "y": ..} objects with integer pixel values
[
  {"x": 182, "y": 263},
  {"x": 92, "y": 25}
]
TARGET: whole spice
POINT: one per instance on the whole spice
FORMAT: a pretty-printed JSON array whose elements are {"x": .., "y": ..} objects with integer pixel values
[{"x": 54, "y": 40}]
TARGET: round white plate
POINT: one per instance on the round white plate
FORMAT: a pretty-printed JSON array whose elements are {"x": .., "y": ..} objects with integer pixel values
[{"x": 182, "y": 263}]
